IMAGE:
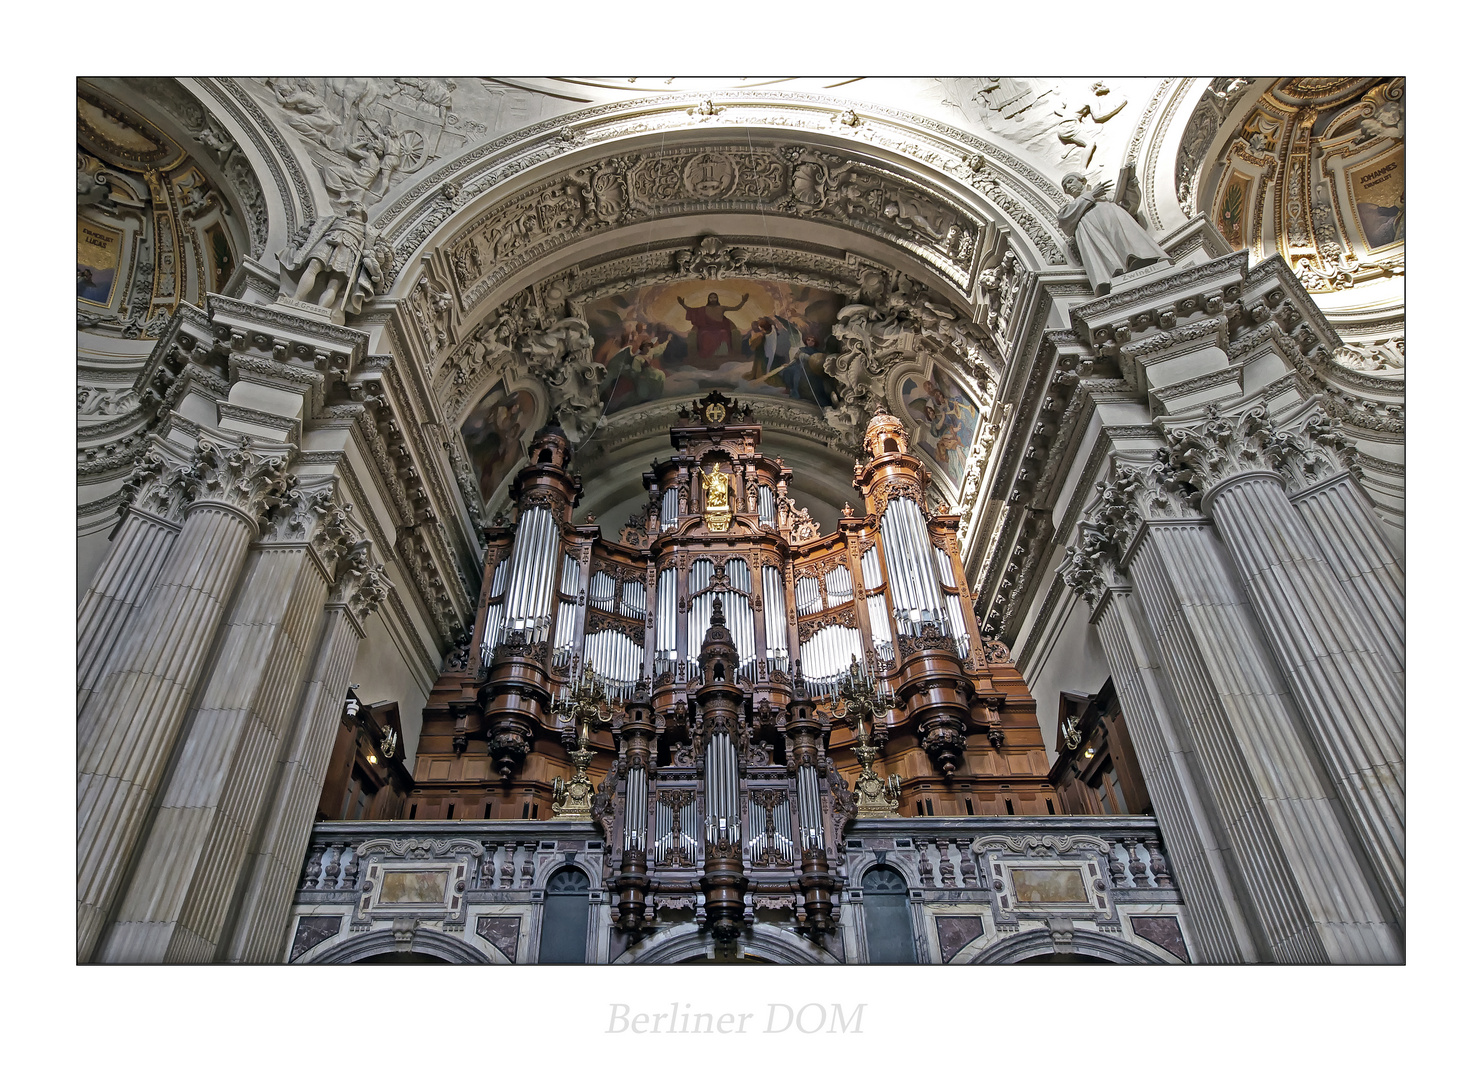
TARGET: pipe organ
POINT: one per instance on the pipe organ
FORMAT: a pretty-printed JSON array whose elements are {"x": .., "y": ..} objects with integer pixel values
[{"x": 718, "y": 643}]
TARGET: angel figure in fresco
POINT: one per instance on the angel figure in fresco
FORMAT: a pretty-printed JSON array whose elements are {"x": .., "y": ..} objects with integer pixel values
[
  {"x": 948, "y": 420},
  {"x": 713, "y": 333},
  {"x": 772, "y": 340}
]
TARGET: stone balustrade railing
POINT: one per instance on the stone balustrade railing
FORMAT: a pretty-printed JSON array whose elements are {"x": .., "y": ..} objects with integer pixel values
[{"x": 974, "y": 889}]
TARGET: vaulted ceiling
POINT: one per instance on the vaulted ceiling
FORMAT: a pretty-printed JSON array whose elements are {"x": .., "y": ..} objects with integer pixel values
[{"x": 546, "y": 245}]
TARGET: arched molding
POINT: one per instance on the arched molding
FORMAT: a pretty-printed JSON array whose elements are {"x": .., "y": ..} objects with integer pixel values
[
  {"x": 765, "y": 942},
  {"x": 590, "y": 865},
  {"x": 970, "y": 170},
  {"x": 363, "y": 946},
  {"x": 229, "y": 153},
  {"x": 1033, "y": 943}
]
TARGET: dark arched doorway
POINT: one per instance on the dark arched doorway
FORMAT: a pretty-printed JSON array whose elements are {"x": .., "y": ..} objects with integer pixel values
[
  {"x": 563, "y": 929},
  {"x": 887, "y": 912}
]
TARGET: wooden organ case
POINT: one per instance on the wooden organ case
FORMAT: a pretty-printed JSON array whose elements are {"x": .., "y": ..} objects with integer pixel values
[{"x": 718, "y": 636}]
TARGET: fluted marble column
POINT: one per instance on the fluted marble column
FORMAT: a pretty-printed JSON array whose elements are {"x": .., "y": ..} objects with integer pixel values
[
  {"x": 1299, "y": 876},
  {"x": 1339, "y": 517},
  {"x": 276, "y": 851},
  {"x": 175, "y": 905},
  {"x": 152, "y": 510},
  {"x": 1196, "y": 845},
  {"x": 1342, "y": 683},
  {"x": 128, "y": 728}
]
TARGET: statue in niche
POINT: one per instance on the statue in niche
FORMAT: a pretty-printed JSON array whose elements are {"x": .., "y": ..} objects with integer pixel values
[{"x": 1110, "y": 240}]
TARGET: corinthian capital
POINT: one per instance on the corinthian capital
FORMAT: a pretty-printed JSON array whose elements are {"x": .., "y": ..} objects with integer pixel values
[
  {"x": 361, "y": 584},
  {"x": 367, "y": 592},
  {"x": 249, "y": 480},
  {"x": 155, "y": 486},
  {"x": 1313, "y": 452},
  {"x": 1220, "y": 447},
  {"x": 1134, "y": 494}
]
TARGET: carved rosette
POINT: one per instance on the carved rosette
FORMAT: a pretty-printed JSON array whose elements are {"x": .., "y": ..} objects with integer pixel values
[{"x": 248, "y": 480}]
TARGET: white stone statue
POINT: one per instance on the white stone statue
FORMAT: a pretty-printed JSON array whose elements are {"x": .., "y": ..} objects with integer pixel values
[{"x": 1110, "y": 240}]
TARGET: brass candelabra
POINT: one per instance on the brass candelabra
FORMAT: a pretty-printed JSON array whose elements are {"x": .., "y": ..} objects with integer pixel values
[
  {"x": 584, "y": 700},
  {"x": 862, "y": 698}
]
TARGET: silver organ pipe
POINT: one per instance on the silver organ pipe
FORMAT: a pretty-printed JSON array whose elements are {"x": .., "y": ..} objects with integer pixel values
[
  {"x": 913, "y": 575},
  {"x": 701, "y": 572},
  {"x": 739, "y": 619},
  {"x": 667, "y": 837},
  {"x": 954, "y": 606},
  {"x": 774, "y": 613},
  {"x": 780, "y": 841},
  {"x": 494, "y": 624},
  {"x": 602, "y": 590},
  {"x": 766, "y": 505},
  {"x": 635, "y": 811},
  {"x": 564, "y": 639},
  {"x": 808, "y": 596},
  {"x": 722, "y": 791},
  {"x": 880, "y": 628},
  {"x": 616, "y": 658},
  {"x": 666, "y": 619},
  {"x": 826, "y": 655},
  {"x": 635, "y": 600},
  {"x": 839, "y": 584},
  {"x": 810, "y": 809},
  {"x": 570, "y": 576},
  {"x": 869, "y": 565},
  {"x": 532, "y": 575},
  {"x": 669, "y": 509}
]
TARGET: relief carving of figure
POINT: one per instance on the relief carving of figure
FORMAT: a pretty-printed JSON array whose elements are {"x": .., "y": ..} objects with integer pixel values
[
  {"x": 916, "y": 215},
  {"x": 1110, "y": 240}
]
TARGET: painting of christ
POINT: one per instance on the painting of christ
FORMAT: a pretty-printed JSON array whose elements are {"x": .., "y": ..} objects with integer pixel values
[{"x": 680, "y": 339}]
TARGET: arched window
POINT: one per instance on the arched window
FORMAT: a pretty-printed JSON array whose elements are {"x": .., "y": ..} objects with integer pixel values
[
  {"x": 887, "y": 914},
  {"x": 563, "y": 930},
  {"x": 891, "y": 447}
]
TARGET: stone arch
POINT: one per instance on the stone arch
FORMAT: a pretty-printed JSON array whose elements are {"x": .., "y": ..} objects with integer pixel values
[
  {"x": 688, "y": 942},
  {"x": 382, "y": 942},
  {"x": 588, "y": 865},
  {"x": 1033, "y": 943},
  {"x": 973, "y": 171}
]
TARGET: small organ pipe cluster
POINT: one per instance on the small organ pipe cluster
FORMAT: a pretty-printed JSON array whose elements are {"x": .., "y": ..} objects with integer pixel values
[{"x": 718, "y": 631}]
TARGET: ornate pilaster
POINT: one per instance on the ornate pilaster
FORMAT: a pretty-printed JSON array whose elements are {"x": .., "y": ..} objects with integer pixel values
[
  {"x": 152, "y": 508},
  {"x": 287, "y": 814},
  {"x": 174, "y": 910},
  {"x": 128, "y": 729},
  {"x": 1341, "y": 682},
  {"x": 1319, "y": 465},
  {"x": 1209, "y": 713}
]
